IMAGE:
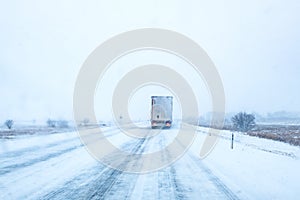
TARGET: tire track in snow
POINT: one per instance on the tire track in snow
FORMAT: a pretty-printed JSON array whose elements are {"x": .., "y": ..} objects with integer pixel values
[
  {"x": 10, "y": 168},
  {"x": 167, "y": 182},
  {"x": 20, "y": 163},
  {"x": 19, "y": 153},
  {"x": 214, "y": 179},
  {"x": 107, "y": 181},
  {"x": 112, "y": 175}
]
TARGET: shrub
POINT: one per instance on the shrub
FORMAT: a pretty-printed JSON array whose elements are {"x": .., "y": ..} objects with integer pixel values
[
  {"x": 51, "y": 123},
  {"x": 9, "y": 123}
]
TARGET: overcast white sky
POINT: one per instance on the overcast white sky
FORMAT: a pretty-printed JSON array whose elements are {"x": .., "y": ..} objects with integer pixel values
[{"x": 254, "y": 44}]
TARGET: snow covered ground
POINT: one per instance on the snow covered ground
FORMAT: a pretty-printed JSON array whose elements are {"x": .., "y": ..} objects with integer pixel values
[
  {"x": 57, "y": 166},
  {"x": 256, "y": 167}
]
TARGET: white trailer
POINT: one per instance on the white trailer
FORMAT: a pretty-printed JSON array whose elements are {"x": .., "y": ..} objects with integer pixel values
[{"x": 161, "y": 111}]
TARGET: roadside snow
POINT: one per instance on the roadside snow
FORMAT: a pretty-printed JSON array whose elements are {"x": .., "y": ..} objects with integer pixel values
[{"x": 260, "y": 168}]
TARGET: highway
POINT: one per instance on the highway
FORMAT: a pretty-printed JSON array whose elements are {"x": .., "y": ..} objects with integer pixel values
[{"x": 58, "y": 166}]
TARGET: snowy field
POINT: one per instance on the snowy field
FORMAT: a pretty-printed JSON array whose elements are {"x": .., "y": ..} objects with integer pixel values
[{"x": 57, "y": 166}]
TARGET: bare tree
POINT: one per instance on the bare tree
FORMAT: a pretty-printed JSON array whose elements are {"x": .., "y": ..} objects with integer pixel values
[
  {"x": 243, "y": 122},
  {"x": 9, "y": 123},
  {"x": 51, "y": 123},
  {"x": 57, "y": 123},
  {"x": 62, "y": 123}
]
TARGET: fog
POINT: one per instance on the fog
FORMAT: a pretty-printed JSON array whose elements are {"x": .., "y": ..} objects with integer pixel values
[{"x": 255, "y": 46}]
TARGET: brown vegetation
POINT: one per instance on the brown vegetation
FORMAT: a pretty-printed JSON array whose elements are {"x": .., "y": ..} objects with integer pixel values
[
  {"x": 284, "y": 133},
  {"x": 31, "y": 130}
]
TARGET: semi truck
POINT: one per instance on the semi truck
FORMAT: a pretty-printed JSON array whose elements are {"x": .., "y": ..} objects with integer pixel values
[{"x": 161, "y": 111}]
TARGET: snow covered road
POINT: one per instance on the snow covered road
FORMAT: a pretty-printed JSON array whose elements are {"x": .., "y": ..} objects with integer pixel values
[{"x": 57, "y": 166}]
